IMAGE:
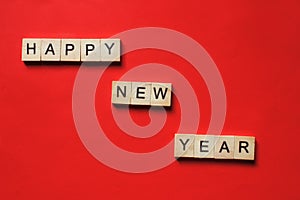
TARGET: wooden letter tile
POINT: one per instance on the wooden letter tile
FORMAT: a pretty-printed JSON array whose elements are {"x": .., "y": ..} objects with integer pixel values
[
  {"x": 70, "y": 50},
  {"x": 50, "y": 50},
  {"x": 121, "y": 92},
  {"x": 110, "y": 50},
  {"x": 90, "y": 50},
  {"x": 244, "y": 147},
  {"x": 184, "y": 145},
  {"x": 140, "y": 93},
  {"x": 31, "y": 49},
  {"x": 161, "y": 94},
  {"x": 224, "y": 148},
  {"x": 204, "y": 146}
]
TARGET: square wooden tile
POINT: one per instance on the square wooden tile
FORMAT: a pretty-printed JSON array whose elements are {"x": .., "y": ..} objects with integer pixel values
[
  {"x": 224, "y": 147},
  {"x": 121, "y": 92},
  {"x": 70, "y": 50},
  {"x": 184, "y": 145},
  {"x": 204, "y": 146},
  {"x": 50, "y": 49},
  {"x": 110, "y": 50},
  {"x": 90, "y": 50},
  {"x": 31, "y": 49},
  {"x": 140, "y": 93},
  {"x": 161, "y": 94},
  {"x": 244, "y": 147}
]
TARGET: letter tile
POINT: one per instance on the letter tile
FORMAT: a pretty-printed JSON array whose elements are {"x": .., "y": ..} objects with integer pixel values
[
  {"x": 90, "y": 50},
  {"x": 121, "y": 92},
  {"x": 204, "y": 146},
  {"x": 244, "y": 147},
  {"x": 184, "y": 145},
  {"x": 110, "y": 50},
  {"x": 31, "y": 49},
  {"x": 141, "y": 94},
  {"x": 70, "y": 50},
  {"x": 224, "y": 148},
  {"x": 50, "y": 49},
  {"x": 161, "y": 94}
]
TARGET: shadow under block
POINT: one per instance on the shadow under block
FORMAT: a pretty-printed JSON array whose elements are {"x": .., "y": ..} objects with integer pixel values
[
  {"x": 224, "y": 147},
  {"x": 141, "y": 93},
  {"x": 110, "y": 50},
  {"x": 70, "y": 50},
  {"x": 184, "y": 145},
  {"x": 31, "y": 49},
  {"x": 244, "y": 147},
  {"x": 204, "y": 146},
  {"x": 217, "y": 147},
  {"x": 121, "y": 92},
  {"x": 90, "y": 50},
  {"x": 50, "y": 49}
]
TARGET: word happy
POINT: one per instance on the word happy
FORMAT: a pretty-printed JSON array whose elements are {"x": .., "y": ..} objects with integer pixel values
[{"x": 94, "y": 50}]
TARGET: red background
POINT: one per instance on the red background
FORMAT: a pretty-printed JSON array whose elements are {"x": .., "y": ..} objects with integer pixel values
[{"x": 255, "y": 45}]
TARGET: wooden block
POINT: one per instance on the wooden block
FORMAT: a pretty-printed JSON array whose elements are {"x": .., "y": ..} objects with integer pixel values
[
  {"x": 90, "y": 50},
  {"x": 121, "y": 92},
  {"x": 70, "y": 50},
  {"x": 31, "y": 49},
  {"x": 110, "y": 50},
  {"x": 244, "y": 147},
  {"x": 140, "y": 93},
  {"x": 204, "y": 146},
  {"x": 161, "y": 94},
  {"x": 224, "y": 147},
  {"x": 184, "y": 145},
  {"x": 50, "y": 49}
]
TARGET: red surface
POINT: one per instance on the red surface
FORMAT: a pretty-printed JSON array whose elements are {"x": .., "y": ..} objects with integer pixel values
[{"x": 256, "y": 46}]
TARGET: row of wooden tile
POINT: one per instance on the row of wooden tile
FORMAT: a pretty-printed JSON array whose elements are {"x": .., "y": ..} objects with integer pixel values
[
  {"x": 217, "y": 147},
  {"x": 95, "y": 50},
  {"x": 141, "y": 93}
]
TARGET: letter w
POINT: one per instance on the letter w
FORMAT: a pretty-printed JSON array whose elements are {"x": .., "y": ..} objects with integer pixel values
[{"x": 160, "y": 91}]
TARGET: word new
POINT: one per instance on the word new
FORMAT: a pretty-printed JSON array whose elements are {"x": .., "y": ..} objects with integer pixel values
[
  {"x": 141, "y": 93},
  {"x": 95, "y": 50},
  {"x": 217, "y": 147}
]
